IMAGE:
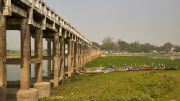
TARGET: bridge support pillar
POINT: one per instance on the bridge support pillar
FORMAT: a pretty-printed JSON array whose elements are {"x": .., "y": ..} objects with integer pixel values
[
  {"x": 62, "y": 74},
  {"x": 56, "y": 60},
  {"x": 76, "y": 56},
  {"x": 3, "y": 72},
  {"x": 72, "y": 59},
  {"x": 69, "y": 57},
  {"x": 81, "y": 56},
  {"x": 25, "y": 56},
  {"x": 49, "y": 54},
  {"x": 84, "y": 55},
  {"x": 38, "y": 54},
  {"x": 25, "y": 92},
  {"x": 79, "y": 59},
  {"x": 43, "y": 87}
]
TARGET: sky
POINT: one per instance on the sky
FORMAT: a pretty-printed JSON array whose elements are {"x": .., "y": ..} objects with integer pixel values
[{"x": 147, "y": 21}]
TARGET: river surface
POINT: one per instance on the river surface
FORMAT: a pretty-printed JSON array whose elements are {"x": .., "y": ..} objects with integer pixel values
[
  {"x": 13, "y": 71},
  {"x": 166, "y": 57}
]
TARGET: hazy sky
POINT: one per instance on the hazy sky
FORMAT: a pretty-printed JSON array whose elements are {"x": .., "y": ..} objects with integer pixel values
[{"x": 153, "y": 21}]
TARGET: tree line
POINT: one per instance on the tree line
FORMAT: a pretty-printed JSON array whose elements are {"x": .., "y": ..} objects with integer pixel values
[{"x": 120, "y": 45}]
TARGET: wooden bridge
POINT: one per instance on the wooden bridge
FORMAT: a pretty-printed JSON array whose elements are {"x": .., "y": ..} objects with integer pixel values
[{"x": 34, "y": 18}]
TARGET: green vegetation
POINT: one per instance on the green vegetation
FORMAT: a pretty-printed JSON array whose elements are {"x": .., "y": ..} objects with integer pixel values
[
  {"x": 118, "y": 61},
  {"x": 160, "y": 85},
  {"x": 119, "y": 86},
  {"x": 95, "y": 43},
  {"x": 120, "y": 45}
]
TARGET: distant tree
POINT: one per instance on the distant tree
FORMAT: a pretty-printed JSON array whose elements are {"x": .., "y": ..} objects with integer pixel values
[
  {"x": 8, "y": 50},
  {"x": 135, "y": 47},
  {"x": 125, "y": 46},
  {"x": 107, "y": 46},
  {"x": 116, "y": 47},
  {"x": 177, "y": 48},
  {"x": 137, "y": 42},
  {"x": 107, "y": 39},
  {"x": 157, "y": 48},
  {"x": 121, "y": 45},
  {"x": 118, "y": 40},
  {"x": 167, "y": 46},
  {"x": 95, "y": 43},
  {"x": 147, "y": 47},
  {"x": 121, "y": 42},
  {"x": 107, "y": 43}
]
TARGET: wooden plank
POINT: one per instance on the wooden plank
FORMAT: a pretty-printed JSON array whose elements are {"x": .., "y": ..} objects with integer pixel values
[
  {"x": 35, "y": 60},
  {"x": 48, "y": 57},
  {"x": 13, "y": 61}
]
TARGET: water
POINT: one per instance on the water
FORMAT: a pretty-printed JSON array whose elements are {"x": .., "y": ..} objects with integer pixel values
[
  {"x": 167, "y": 57},
  {"x": 13, "y": 71},
  {"x": 161, "y": 57}
]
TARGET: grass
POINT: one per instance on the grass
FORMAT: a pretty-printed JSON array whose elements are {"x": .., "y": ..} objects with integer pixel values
[
  {"x": 119, "y": 86},
  {"x": 162, "y": 85},
  {"x": 119, "y": 60}
]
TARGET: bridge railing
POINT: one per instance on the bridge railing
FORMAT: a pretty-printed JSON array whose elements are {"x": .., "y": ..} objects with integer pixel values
[{"x": 49, "y": 13}]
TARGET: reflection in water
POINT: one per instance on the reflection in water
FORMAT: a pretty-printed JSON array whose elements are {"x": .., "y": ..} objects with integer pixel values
[
  {"x": 13, "y": 71},
  {"x": 167, "y": 57}
]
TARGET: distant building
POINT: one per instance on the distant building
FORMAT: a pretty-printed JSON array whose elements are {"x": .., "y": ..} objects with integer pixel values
[
  {"x": 172, "y": 49},
  {"x": 154, "y": 51},
  {"x": 104, "y": 51},
  {"x": 125, "y": 51},
  {"x": 162, "y": 52}
]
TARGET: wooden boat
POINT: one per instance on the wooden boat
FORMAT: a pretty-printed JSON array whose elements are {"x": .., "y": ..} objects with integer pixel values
[
  {"x": 133, "y": 69},
  {"x": 173, "y": 68},
  {"x": 91, "y": 72},
  {"x": 169, "y": 68},
  {"x": 150, "y": 68},
  {"x": 158, "y": 68},
  {"x": 166, "y": 68},
  {"x": 121, "y": 69},
  {"x": 142, "y": 68}
]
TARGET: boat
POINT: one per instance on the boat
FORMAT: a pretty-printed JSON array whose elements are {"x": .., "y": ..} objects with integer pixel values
[
  {"x": 121, "y": 69},
  {"x": 91, "y": 72},
  {"x": 150, "y": 68},
  {"x": 107, "y": 71},
  {"x": 133, "y": 69},
  {"x": 173, "y": 68}
]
